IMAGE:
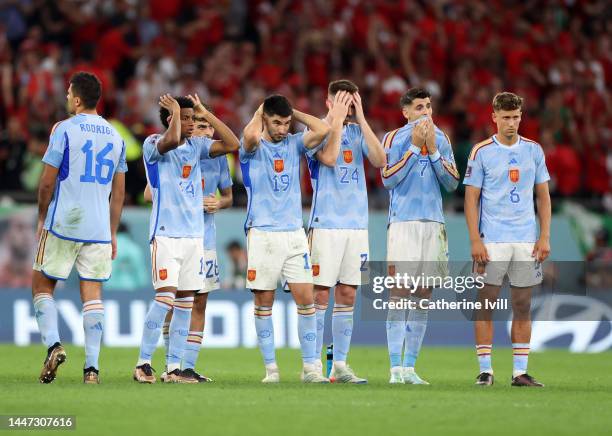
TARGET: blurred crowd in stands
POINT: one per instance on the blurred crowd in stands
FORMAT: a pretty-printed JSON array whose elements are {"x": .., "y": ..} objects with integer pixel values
[{"x": 557, "y": 54}]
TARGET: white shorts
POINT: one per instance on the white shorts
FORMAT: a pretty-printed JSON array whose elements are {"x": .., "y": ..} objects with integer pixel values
[
  {"x": 417, "y": 247},
  {"x": 514, "y": 259},
  {"x": 55, "y": 258},
  {"x": 274, "y": 256},
  {"x": 338, "y": 256},
  {"x": 211, "y": 272},
  {"x": 177, "y": 262}
]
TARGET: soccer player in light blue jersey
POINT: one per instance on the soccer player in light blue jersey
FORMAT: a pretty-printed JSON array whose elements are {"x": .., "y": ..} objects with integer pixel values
[
  {"x": 215, "y": 175},
  {"x": 420, "y": 161},
  {"x": 77, "y": 225},
  {"x": 338, "y": 225},
  {"x": 173, "y": 171},
  {"x": 277, "y": 247},
  {"x": 502, "y": 174}
]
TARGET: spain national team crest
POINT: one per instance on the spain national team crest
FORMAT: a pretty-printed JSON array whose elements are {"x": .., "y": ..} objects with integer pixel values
[
  {"x": 186, "y": 171},
  {"x": 514, "y": 175},
  {"x": 423, "y": 150},
  {"x": 251, "y": 274},
  {"x": 348, "y": 156},
  {"x": 279, "y": 165},
  {"x": 315, "y": 270},
  {"x": 163, "y": 274}
]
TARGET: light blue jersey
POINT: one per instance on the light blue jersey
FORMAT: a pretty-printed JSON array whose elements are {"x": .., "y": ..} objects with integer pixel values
[
  {"x": 176, "y": 184},
  {"x": 271, "y": 176},
  {"x": 340, "y": 197},
  {"x": 88, "y": 151},
  {"x": 215, "y": 174},
  {"x": 506, "y": 176},
  {"x": 413, "y": 177}
]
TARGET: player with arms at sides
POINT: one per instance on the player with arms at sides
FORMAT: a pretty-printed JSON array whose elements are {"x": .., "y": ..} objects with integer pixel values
[
  {"x": 172, "y": 162},
  {"x": 77, "y": 224},
  {"x": 502, "y": 174},
  {"x": 338, "y": 225},
  {"x": 276, "y": 242},
  {"x": 215, "y": 175},
  {"x": 420, "y": 161}
]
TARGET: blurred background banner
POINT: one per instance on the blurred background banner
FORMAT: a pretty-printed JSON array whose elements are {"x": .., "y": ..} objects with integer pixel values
[{"x": 230, "y": 323}]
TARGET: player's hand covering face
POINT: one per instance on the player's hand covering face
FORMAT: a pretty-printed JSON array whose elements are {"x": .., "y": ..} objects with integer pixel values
[{"x": 341, "y": 105}]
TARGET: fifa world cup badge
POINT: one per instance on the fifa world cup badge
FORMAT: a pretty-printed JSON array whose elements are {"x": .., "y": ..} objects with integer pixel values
[
  {"x": 279, "y": 165},
  {"x": 348, "y": 156},
  {"x": 514, "y": 175},
  {"x": 186, "y": 171}
]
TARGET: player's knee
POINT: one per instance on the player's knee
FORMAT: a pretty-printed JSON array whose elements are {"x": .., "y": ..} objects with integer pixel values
[
  {"x": 41, "y": 284},
  {"x": 263, "y": 298},
  {"x": 345, "y": 294},
  {"x": 521, "y": 307},
  {"x": 321, "y": 296}
]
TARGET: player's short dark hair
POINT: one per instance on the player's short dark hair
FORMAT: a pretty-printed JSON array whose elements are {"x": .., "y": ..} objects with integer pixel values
[
  {"x": 87, "y": 87},
  {"x": 342, "y": 85},
  {"x": 277, "y": 104},
  {"x": 164, "y": 113},
  {"x": 412, "y": 94},
  {"x": 507, "y": 101}
]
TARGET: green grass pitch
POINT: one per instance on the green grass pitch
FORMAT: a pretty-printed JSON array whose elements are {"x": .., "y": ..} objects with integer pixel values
[{"x": 577, "y": 399}]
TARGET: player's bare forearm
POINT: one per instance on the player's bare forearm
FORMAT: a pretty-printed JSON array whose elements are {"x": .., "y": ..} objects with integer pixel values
[
  {"x": 329, "y": 153},
  {"x": 544, "y": 209},
  {"x": 148, "y": 195},
  {"x": 228, "y": 143},
  {"x": 472, "y": 198},
  {"x": 252, "y": 131},
  {"x": 116, "y": 201},
  {"x": 227, "y": 199},
  {"x": 317, "y": 129},
  {"x": 46, "y": 187},
  {"x": 172, "y": 136},
  {"x": 376, "y": 152}
]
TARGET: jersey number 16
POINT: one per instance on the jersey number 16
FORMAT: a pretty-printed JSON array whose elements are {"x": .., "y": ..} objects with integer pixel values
[{"x": 101, "y": 162}]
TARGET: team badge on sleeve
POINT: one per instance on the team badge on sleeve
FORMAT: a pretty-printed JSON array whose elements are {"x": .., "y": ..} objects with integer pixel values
[
  {"x": 315, "y": 270},
  {"x": 468, "y": 171},
  {"x": 348, "y": 156},
  {"x": 514, "y": 175},
  {"x": 186, "y": 171},
  {"x": 163, "y": 274},
  {"x": 279, "y": 165}
]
